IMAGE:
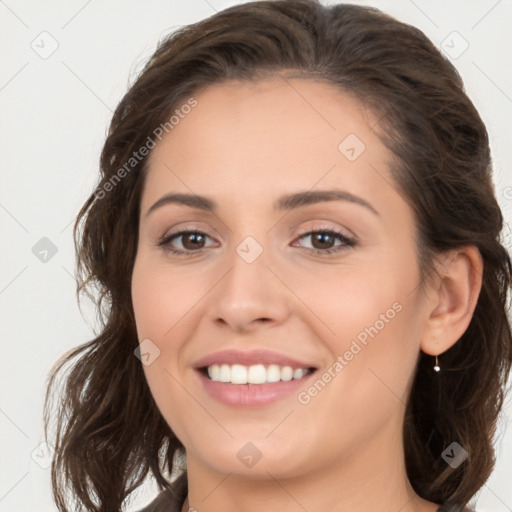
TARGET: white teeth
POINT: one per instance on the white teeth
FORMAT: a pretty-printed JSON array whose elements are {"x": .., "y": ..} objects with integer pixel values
[
  {"x": 299, "y": 373},
  {"x": 225, "y": 373},
  {"x": 238, "y": 374},
  {"x": 255, "y": 374},
  {"x": 287, "y": 373},
  {"x": 214, "y": 372},
  {"x": 273, "y": 373}
]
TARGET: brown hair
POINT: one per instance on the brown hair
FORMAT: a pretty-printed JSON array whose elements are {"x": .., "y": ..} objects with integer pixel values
[{"x": 109, "y": 431}]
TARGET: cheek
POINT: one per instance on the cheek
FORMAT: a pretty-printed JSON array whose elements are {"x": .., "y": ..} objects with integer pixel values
[
  {"x": 154, "y": 317},
  {"x": 375, "y": 329},
  {"x": 159, "y": 299},
  {"x": 171, "y": 400},
  {"x": 160, "y": 303},
  {"x": 354, "y": 303}
]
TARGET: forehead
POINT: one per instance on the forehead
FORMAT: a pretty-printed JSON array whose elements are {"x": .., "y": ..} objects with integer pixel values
[{"x": 277, "y": 132}]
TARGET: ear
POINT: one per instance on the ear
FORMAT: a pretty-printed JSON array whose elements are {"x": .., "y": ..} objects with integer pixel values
[{"x": 452, "y": 298}]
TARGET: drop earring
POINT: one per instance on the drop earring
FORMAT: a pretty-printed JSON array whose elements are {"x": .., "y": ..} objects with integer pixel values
[{"x": 436, "y": 366}]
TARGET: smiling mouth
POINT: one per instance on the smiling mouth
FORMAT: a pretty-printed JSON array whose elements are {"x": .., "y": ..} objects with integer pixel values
[{"x": 238, "y": 374}]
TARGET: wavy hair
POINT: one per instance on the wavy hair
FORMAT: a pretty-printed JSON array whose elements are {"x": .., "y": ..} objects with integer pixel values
[{"x": 109, "y": 433}]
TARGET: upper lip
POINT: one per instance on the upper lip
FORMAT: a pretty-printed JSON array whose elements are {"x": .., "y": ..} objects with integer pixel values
[{"x": 250, "y": 357}]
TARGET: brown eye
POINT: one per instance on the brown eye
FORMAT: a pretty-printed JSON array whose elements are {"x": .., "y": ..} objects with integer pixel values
[
  {"x": 192, "y": 241},
  {"x": 323, "y": 241}
]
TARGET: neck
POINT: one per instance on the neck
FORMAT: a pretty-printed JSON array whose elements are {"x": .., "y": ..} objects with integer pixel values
[{"x": 372, "y": 477}]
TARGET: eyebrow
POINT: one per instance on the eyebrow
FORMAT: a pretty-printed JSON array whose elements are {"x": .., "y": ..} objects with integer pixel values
[{"x": 284, "y": 203}]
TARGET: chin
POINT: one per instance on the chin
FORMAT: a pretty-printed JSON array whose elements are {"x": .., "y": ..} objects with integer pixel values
[{"x": 253, "y": 459}]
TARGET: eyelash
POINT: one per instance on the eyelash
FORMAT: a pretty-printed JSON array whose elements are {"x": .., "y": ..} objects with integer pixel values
[{"x": 347, "y": 242}]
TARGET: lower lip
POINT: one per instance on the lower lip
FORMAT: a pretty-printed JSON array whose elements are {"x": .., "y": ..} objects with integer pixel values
[{"x": 252, "y": 395}]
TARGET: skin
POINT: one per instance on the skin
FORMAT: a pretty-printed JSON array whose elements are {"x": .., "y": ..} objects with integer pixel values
[{"x": 244, "y": 145}]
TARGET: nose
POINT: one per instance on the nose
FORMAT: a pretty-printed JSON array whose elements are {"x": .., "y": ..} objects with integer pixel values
[{"x": 250, "y": 295}]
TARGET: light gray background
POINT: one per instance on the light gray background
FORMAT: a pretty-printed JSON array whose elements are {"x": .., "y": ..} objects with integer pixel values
[{"x": 54, "y": 114}]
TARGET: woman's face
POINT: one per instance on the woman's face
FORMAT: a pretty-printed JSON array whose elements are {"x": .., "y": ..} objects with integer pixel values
[{"x": 257, "y": 295}]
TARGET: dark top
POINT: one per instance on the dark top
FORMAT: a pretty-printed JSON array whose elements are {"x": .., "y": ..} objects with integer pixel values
[{"x": 172, "y": 500}]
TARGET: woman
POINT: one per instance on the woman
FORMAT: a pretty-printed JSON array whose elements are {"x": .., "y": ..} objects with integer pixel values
[{"x": 296, "y": 245}]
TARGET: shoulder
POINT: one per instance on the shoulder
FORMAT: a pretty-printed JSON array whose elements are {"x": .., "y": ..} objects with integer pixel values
[
  {"x": 449, "y": 507},
  {"x": 170, "y": 500}
]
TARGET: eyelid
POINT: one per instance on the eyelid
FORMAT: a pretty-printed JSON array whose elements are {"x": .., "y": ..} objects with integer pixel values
[
  {"x": 195, "y": 227},
  {"x": 347, "y": 242},
  {"x": 347, "y": 233},
  {"x": 190, "y": 227}
]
